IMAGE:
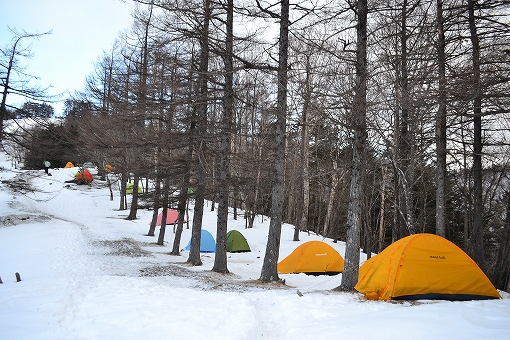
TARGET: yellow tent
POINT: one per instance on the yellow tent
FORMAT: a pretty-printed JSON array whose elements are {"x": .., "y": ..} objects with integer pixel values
[
  {"x": 69, "y": 165},
  {"x": 312, "y": 257},
  {"x": 423, "y": 266}
]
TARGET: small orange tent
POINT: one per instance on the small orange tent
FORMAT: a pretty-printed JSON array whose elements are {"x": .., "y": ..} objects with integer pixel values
[
  {"x": 312, "y": 257},
  {"x": 84, "y": 175},
  {"x": 69, "y": 165},
  {"x": 423, "y": 266}
]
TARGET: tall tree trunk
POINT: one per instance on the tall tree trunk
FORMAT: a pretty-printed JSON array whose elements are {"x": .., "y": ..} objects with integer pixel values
[
  {"x": 181, "y": 208},
  {"x": 441, "y": 126},
  {"x": 382, "y": 210},
  {"x": 220, "y": 259},
  {"x": 123, "y": 198},
  {"x": 200, "y": 121},
  {"x": 157, "y": 199},
  {"x": 502, "y": 267},
  {"x": 305, "y": 141},
  {"x": 269, "y": 270},
  {"x": 404, "y": 159},
  {"x": 355, "y": 213},
  {"x": 161, "y": 236},
  {"x": 134, "y": 199},
  {"x": 476, "y": 237}
]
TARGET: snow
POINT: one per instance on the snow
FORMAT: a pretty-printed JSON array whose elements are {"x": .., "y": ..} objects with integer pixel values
[{"x": 88, "y": 273}]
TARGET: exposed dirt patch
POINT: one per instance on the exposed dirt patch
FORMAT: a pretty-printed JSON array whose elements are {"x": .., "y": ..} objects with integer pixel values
[
  {"x": 211, "y": 280},
  {"x": 12, "y": 220},
  {"x": 125, "y": 247}
]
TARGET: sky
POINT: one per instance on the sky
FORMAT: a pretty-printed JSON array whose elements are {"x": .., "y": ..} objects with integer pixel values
[
  {"x": 82, "y": 29},
  {"x": 88, "y": 273}
]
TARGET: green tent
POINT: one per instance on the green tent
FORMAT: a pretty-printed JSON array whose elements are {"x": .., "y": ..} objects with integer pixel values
[
  {"x": 129, "y": 189},
  {"x": 236, "y": 242}
]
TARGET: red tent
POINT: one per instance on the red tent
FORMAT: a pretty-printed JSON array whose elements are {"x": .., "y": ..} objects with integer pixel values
[
  {"x": 171, "y": 217},
  {"x": 85, "y": 175}
]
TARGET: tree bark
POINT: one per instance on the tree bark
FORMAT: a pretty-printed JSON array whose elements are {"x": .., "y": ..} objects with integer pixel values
[
  {"x": 355, "y": 213},
  {"x": 156, "y": 205},
  {"x": 502, "y": 267},
  {"x": 476, "y": 237},
  {"x": 441, "y": 125},
  {"x": 161, "y": 236},
  {"x": 181, "y": 208},
  {"x": 269, "y": 270},
  {"x": 134, "y": 199},
  {"x": 200, "y": 121},
  {"x": 220, "y": 259}
]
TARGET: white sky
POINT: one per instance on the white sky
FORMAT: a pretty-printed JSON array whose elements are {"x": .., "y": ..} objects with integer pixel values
[{"x": 82, "y": 29}]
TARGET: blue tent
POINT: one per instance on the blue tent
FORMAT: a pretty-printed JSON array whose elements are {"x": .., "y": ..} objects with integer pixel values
[{"x": 207, "y": 243}]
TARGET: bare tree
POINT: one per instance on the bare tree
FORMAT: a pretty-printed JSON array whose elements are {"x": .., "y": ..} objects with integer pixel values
[
  {"x": 10, "y": 66},
  {"x": 441, "y": 124},
  {"x": 220, "y": 260},
  {"x": 269, "y": 270},
  {"x": 358, "y": 125}
]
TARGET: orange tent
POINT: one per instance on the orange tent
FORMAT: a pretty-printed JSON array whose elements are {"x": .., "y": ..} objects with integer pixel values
[
  {"x": 69, "y": 165},
  {"x": 84, "y": 175},
  {"x": 312, "y": 257},
  {"x": 423, "y": 266}
]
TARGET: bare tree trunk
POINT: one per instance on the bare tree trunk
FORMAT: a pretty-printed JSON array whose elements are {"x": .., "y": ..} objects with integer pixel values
[
  {"x": 201, "y": 120},
  {"x": 181, "y": 207},
  {"x": 405, "y": 149},
  {"x": 134, "y": 199},
  {"x": 109, "y": 183},
  {"x": 220, "y": 259},
  {"x": 157, "y": 199},
  {"x": 355, "y": 213},
  {"x": 382, "y": 210},
  {"x": 269, "y": 270},
  {"x": 441, "y": 126},
  {"x": 305, "y": 146},
  {"x": 467, "y": 206},
  {"x": 123, "y": 198},
  {"x": 161, "y": 236},
  {"x": 502, "y": 267},
  {"x": 476, "y": 237}
]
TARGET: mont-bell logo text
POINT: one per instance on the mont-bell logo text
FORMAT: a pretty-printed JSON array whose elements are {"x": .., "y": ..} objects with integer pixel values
[{"x": 438, "y": 257}]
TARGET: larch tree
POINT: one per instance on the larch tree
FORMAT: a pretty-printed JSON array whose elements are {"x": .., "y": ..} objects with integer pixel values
[
  {"x": 269, "y": 270},
  {"x": 220, "y": 259},
  {"x": 359, "y": 136},
  {"x": 10, "y": 67}
]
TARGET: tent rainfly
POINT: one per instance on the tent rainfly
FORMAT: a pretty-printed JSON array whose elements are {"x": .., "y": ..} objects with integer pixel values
[
  {"x": 313, "y": 258},
  {"x": 69, "y": 165},
  {"x": 129, "y": 188},
  {"x": 171, "y": 217},
  {"x": 423, "y": 266},
  {"x": 207, "y": 243},
  {"x": 236, "y": 242},
  {"x": 84, "y": 175}
]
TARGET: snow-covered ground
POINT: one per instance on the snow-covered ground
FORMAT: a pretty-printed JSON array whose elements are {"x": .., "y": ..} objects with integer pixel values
[{"x": 88, "y": 273}]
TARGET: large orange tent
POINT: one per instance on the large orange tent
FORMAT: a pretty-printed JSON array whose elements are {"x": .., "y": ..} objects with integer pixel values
[
  {"x": 312, "y": 257},
  {"x": 423, "y": 266}
]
